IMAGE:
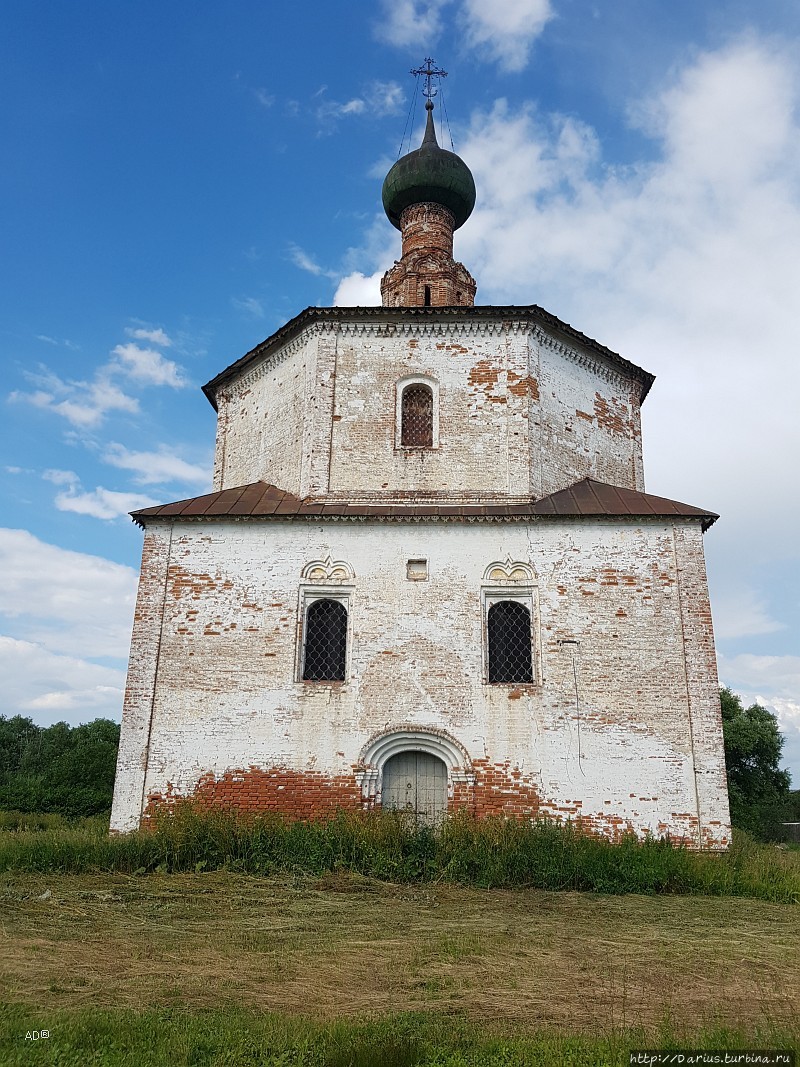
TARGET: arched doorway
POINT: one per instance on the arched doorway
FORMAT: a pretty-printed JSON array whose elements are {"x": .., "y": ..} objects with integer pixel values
[{"x": 416, "y": 782}]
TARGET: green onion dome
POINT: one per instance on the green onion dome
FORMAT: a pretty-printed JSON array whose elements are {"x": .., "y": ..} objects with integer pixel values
[{"x": 429, "y": 175}]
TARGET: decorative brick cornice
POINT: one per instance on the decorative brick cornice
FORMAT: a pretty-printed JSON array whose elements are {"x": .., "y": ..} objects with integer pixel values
[
  {"x": 434, "y": 321},
  {"x": 274, "y": 359},
  {"x": 583, "y": 359}
]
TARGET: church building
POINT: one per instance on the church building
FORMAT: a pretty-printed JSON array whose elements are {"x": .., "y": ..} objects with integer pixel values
[{"x": 428, "y": 576}]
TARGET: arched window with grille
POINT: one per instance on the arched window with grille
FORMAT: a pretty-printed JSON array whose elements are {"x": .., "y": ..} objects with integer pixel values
[
  {"x": 416, "y": 416},
  {"x": 325, "y": 645},
  {"x": 509, "y": 642}
]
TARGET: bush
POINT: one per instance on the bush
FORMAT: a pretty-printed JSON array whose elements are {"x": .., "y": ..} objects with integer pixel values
[
  {"x": 60, "y": 769},
  {"x": 757, "y": 788}
]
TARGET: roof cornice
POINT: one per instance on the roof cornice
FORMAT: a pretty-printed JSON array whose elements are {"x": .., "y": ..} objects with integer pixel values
[{"x": 509, "y": 316}]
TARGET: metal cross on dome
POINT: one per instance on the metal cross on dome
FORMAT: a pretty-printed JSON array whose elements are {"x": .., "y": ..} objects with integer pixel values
[{"x": 429, "y": 71}]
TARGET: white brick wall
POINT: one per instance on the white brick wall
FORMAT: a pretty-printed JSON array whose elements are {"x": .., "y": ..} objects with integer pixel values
[
  {"x": 215, "y": 651},
  {"x": 521, "y": 413},
  {"x": 622, "y": 726}
]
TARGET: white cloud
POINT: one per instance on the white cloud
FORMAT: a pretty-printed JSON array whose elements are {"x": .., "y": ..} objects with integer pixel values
[
  {"x": 85, "y": 404},
  {"x": 264, "y": 98},
  {"x": 147, "y": 366},
  {"x": 156, "y": 468},
  {"x": 305, "y": 262},
  {"x": 385, "y": 98},
  {"x": 505, "y": 31},
  {"x": 358, "y": 290},
  {"x": 410, "y": 22},
  {"x": 53, "y": 687},
  {"x": 102, "y": 503},
  {"x": 54, "y": 341},
  {"x": 741, "y": 612},
  {"x": 59, "y": 477},
  {"x": 328, "y": 112},
  {"x": 787, "y": 711},
  {"x": 82, "y": 403},
  {"x": 498, "y": 32},
  {"x": 105, "y": 396},
  {"x": 378, "y": 98},
  {"x": 155, "y": 336},
  {"x": 250, "y": 305},
  {"x": 353, "y": 107},
  {"x": 686, "y": 264},
  {"x": 69, "y": 602},
  {"x": 381, "y": 246},
  {"x": 302, "y": 260},
  {"x": 779, "y": 676}
]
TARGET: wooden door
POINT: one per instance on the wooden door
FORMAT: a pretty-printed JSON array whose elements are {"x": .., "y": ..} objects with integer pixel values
[{"x": 416, "y": 782}]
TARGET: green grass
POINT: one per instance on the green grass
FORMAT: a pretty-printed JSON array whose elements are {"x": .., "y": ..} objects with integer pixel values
[
  {"x": 490, "y": 853},
  {"x": 176, "y": 1038},
  {"x": 171, "y": 1037},
  {"x": 27, "y": 820}
]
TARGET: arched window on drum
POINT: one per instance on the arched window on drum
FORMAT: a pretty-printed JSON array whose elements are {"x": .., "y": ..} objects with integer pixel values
[{"x": 416, "y": 416}]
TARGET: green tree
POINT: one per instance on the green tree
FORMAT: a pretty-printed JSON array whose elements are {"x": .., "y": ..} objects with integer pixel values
[
  {"x": 758, "y": 789},
  {"x": 64, "y": 769}
]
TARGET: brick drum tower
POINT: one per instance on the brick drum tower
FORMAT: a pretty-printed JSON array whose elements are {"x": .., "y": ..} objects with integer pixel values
[{"x": 428, "y": 575}]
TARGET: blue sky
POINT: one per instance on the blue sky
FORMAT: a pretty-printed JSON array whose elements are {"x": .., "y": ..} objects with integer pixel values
[{"x": 178, "y": 181}]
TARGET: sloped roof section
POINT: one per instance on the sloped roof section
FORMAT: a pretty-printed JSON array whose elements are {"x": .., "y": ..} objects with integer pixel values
[
  {"x": 529, "y": 313},
  {"x": 587, "y": 498}
]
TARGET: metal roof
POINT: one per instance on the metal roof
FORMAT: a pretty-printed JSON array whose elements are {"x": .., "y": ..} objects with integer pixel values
[
  {"x": 587, "y": 498},
  {"x": 530, "y": 313}
]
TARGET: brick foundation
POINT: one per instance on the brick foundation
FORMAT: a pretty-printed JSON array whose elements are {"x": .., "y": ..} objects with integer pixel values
[
  {"x": 296, "y": 794},
  {"x": 495, "y": 789}
]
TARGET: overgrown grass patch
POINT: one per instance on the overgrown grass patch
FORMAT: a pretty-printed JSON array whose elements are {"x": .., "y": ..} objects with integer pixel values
[
  {"x": 182, "y": 1039},
  {"x": 489, "y": 853},
  {"x": 45, "y": 820}
]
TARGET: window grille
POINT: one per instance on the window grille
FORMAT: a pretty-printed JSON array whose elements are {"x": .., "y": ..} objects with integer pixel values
[
  {"x": 417, "y": 417},
  {"x": 326, "y": 642},
  {"x": 509, "y": 638}
]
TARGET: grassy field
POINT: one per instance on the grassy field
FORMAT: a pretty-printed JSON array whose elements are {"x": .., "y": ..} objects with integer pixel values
[{"x": 226, "y": 968}]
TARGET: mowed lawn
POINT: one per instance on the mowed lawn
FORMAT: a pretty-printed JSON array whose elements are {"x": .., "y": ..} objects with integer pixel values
[{"x": 516, "y": 961}]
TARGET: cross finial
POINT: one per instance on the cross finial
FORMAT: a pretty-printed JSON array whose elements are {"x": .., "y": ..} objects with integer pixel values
[{"x": 430, "y": 71}]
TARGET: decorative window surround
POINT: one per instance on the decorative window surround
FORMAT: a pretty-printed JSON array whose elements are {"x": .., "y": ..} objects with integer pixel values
[
  {"x": 400, "y": 387},
  {"x": 309, "y": 594},
  {"x": 528, "y": 596}
]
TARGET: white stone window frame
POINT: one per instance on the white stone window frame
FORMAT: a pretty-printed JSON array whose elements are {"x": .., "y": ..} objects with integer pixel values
[
  {"x": 400, "y": 388},
  {"x": 528, "y": 596},
  {"x": 308, "y": 595}
]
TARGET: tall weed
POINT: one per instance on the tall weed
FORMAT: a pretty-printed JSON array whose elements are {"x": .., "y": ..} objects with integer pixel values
[{"x": 489, "y": 853}]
